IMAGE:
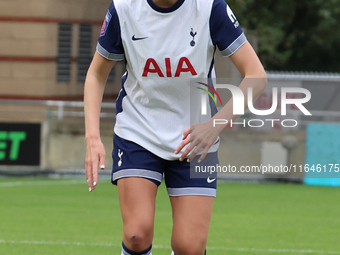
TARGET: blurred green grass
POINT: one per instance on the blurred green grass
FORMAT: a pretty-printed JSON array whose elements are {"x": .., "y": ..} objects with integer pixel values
[{"x": 60, "y": 216}]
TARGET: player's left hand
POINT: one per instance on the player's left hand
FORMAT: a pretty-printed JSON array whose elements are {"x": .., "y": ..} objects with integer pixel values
[{"x": 198, "y": 136}]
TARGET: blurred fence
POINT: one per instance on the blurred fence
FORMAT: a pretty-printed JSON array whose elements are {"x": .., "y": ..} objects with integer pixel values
[
  {"x": 63, "y": 145},
  {"x": 61, "y": 109},
  {"x": 324, "y": 104},
  {"x": 50, "y": 109}
]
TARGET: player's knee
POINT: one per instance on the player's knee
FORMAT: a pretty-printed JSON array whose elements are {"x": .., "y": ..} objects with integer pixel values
[
  {"x": 196, "y": 247},
  {"x": 138, "y": 239},
  {"x": 189, "y": 251}
]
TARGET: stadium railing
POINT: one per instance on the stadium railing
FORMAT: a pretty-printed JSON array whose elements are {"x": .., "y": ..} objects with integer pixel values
[{"x": 60, "y": 109}]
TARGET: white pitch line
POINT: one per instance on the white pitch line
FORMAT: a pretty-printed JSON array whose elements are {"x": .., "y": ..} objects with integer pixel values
[
  {"x": 57, "y": 243},
  {"x": 273, "y": 250},
  {"x": 41, "y": 183},
  {"x": 168, "y": 247}
]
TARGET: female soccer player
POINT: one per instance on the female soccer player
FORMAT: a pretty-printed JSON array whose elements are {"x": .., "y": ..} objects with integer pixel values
[{"x": 165, "y": 43}]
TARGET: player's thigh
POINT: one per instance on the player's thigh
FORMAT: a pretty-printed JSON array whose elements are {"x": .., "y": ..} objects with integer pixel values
[
  {"x": 191, "y": 221},
  {"x": 137, "y": 198}
]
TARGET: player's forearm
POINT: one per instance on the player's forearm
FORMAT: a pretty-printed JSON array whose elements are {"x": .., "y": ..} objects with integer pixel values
[
  {"x": 226, "y": 113},
  {"x": 93, "y": 95}
]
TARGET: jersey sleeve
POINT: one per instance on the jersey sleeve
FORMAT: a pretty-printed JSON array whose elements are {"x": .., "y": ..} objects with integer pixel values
[
  {"x": 110, "y": 43},
  {"x": 225, "y": 30}
]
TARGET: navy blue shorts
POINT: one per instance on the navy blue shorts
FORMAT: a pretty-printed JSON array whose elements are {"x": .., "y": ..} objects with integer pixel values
[{"x": 132, "y": 160}]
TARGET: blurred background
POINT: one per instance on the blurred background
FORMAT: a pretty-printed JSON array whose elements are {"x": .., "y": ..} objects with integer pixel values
[{"x": 46, "y": 47}]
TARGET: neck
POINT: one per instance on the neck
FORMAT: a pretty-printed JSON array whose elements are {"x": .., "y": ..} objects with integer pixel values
[{"x": 164, "y": 3}]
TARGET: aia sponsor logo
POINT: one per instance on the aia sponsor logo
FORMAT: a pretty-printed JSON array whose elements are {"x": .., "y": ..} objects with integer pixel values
[{"x": 184, "y": 66}]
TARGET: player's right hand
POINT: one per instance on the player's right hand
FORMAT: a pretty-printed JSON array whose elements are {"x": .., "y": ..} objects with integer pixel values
[{"x": 95, "y": 158}]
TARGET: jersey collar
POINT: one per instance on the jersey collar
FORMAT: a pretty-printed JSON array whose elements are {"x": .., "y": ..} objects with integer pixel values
[{"x": 165, "y": 10}]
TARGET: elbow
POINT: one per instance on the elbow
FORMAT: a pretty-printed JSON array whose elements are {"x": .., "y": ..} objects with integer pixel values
[
  {"x": 261, "y": 79},
  {"x": 264, "y": 80}
]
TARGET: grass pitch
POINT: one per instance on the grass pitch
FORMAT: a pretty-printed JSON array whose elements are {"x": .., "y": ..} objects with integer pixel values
[{"x": 44, "y": 216}]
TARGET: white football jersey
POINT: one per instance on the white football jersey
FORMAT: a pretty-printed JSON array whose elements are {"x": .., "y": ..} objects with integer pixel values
[{"x": 164, "y": 48}]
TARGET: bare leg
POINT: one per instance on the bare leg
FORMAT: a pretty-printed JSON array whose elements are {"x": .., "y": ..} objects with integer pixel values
[
  {"x": 191, "y": 221},
  {"x": 137, "y": 204}
]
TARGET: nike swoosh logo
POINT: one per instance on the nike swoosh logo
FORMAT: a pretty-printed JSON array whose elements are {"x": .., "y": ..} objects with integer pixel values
[
  {"x": 210, "y": 180},
  {"x": 137, "y": 39}
]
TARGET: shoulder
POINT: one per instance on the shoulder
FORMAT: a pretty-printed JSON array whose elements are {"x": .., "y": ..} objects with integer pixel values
[
  {"x": 212, "y": 4},
  {"x": 220, "y": 6},
  {"x": 214, "y": 7},
  {"x": 122, "y": 5},
  {"x": 205, "y": 5},
  {"x": 128, "y": 4}
]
